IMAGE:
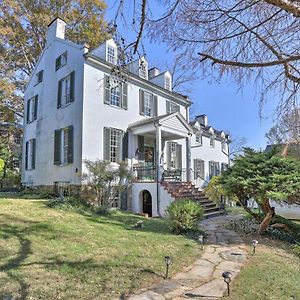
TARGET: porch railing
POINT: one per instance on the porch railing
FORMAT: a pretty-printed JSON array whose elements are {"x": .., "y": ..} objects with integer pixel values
[{"x": 145, "y": 173}]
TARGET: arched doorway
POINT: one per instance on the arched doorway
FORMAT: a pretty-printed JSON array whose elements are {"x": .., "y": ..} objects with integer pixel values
[{"x": 147, "y": 203}]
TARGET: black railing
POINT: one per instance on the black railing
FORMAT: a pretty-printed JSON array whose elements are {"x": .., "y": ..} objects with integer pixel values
[{"x": 145, "y": 173}]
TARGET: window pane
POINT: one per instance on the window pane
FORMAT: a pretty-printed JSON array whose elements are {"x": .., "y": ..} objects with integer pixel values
[
  {"x": 111, "y": 55},
  {"x": 147, "y": 104}
]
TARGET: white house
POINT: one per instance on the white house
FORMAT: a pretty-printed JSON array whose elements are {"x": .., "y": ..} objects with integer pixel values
[{"x": 80, "y": 105}]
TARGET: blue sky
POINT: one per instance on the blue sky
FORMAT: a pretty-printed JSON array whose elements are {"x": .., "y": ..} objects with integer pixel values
[{"x": 228, "y": 108}]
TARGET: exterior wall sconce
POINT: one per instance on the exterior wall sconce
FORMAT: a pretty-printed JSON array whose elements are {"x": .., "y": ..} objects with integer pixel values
[
  {"x": 168, "y": 261},
  {"x": 227, "y": 278}
]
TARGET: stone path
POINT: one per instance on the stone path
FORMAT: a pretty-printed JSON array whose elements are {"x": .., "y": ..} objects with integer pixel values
[{"x": 223, "y": 251}]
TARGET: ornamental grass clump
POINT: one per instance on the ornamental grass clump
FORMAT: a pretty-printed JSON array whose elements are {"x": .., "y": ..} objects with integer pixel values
[{"x": 184, "y": 215}]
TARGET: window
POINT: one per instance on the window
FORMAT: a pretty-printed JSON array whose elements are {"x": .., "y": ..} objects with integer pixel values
[
  {"x": 63, "y": 146},
  {"x": 174, "y": 155},
  {"x": 224, "y": 146},
  {"x": 61, "y": 61},
  {"x": 198, "y": 137},
  {"x": 148, "y": 104},
  {"x": 167, "y": 83},
  {"x": 32, "y": 107},
  {"x": 143, "y": 72},
  {"x": 66, "y": 90},
  {"x": 224, "y": 167},
  {"x": 112, "y": 144},
  {"x": 212, "y": 141},
  {"x": 39, "y": 77},
  {"x": 172, "y": 107},
  {"x": 111, "y": 55},
  {"x": 199, "y": 169},
  {"x": 115, "y": 92},
  {"x": 214, "y": 169},
  {"x": 30, "y": 154}
]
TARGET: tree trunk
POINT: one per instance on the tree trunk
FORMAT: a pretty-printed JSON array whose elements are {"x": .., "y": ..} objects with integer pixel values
[
  {"x": 249, "y": 211},
  {"x": 269, "y": 214}
]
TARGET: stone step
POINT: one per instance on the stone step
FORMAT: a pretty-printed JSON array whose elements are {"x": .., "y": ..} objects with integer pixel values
[{"x": 213, "y": 214}]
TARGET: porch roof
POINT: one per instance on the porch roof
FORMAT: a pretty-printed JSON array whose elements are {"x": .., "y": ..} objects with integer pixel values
[{"x": 173, "y": 125}]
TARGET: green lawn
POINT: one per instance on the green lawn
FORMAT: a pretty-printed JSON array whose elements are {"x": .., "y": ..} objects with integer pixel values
[{"x": 51, "y": 254}]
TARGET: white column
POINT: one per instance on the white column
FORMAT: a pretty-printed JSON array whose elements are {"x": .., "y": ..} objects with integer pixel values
[
  {"x": 188, "y": 158},
  {"x": 158, "y": 151}
]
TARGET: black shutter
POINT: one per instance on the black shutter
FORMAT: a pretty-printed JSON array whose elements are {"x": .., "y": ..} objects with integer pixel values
[
  {"x": 142, "y": 104},
  {"x": 70, "y": 144},
  {"x": 72, "y": 87},
  {"x": 33, "y": 144},
  {"x": 124, "y": 95},
  {"x": 36, "y": 99},
  {"x": 141, "y": 147},
  {"x": 106, "y": 143},
  {"x": 106, "y": 89},
  {"x": 57, "y": 147},
  {"x": 57, "y": 63},
  {"x": 168, "y": 155},
  {"x": 195, "y": 169},
  {"x": 123, "y": 200},
  {"x": 154, "y": 105},
  {"x": 125, "y": 146},
  {"x": 26, "y": 156},
  {"x": 201, "y": 169},
  {"x": 59, "y": 91},
  {"x": 28, "y": 111}
]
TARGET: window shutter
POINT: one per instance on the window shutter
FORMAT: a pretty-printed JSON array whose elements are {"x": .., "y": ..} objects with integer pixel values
[
  {"x": 141, "y": 147},
  {"x": 123, "y": 196},
  {"x": 106, "y": 143},
  {"x": 168, "y": 107},
  {"x": 26, "y": 156},
  {"x": 57, "y": 63},
  {"x": 106, "y": 89},
  {"x": 125, "y": 146},
  {"x": 59, "y": 92},
  {"x": 154, "y": 105},
  {"x": 211, "y": 169},
  {"x": 168, "y": 156},
  {"x": 33, "y": 144},
  {"x": 70, "y": 144},
  {"x": 124, "y": 95},
  {"x": 72, "y": 87},
  {"x": 28, "y": 111},
  {"x": 142, "y": 103},
  {"x": 178, "y": 156},
  {"x": 217, "y": 168},
  {"x": 36, "y": 99},
  {"x": 120, "y": 145},
  {"x": 201, "y": 169},
  {"x": 57, "y": 147}
]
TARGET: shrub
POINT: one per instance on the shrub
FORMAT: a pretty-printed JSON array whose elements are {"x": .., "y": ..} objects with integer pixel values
[
  {"x": 296, "y": 249},
  {"x": 184, "y": 215},
  {"x": 67, "y": 203}
]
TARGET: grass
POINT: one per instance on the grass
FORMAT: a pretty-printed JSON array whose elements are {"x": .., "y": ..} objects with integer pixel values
[
  {"x": 52, "y": 254},
  {"x": 272, "y": 273}
]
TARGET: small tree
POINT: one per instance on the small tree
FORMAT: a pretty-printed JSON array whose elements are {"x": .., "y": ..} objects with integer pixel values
[
  {"x": 263, "y": 176},
  {"x": 214, "y": 190},
  {"x": 106, "y": 180}
]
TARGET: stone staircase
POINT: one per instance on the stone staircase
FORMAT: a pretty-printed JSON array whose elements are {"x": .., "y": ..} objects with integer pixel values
[{"x": 188, "y": 190}]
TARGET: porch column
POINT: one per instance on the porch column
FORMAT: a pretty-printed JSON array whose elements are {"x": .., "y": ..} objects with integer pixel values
[
  {"x": 158, "y": 151},
  {"x": 188, "y": 158}
]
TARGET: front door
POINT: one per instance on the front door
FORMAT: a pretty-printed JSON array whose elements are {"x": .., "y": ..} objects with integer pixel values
[{"x": 147, "y": 203}]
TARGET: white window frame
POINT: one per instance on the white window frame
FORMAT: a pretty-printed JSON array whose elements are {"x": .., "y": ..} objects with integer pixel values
[
  {"x": 173, "y": 153},
  {"x": 30, "y": 155},
  {"x": 114, "y": 143},
  {"x": 212, "y": 141},
  {"x": 63, "y": 58},
  {"x": 143, "y": 69},
  {"x": 111, "y": 56},
  {"x": 148, "y": 104},
  {"x": 66, "y": 90},
  {"x": 31, "y": 109},
  {"x": 115, "y": 92},
  {"x": 224, "y": 146},
  {"x": 198, "y": 138},
  {"x": 167, "y": 83}
]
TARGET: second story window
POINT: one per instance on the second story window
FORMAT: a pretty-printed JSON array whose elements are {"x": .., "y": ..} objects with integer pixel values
[
  {"x": 66, "y": 90},
  {"x": 111, "y": 55},
  {"x": 32, "y": 108},
  {"x": 115, "y": 92},
  {"x": 112, "y": 144},
  {"x": 61, "y": 61},
  {"x": 198, "y": 137},
  {"x": 30, "y": 154},
  {"x": 63, "y": 146},
  {"x": 39, "y": 76},
  {"x": 212, "y": 141},
  {"x": 172, "y": 107},
  {"x": 148, "y": 104}
]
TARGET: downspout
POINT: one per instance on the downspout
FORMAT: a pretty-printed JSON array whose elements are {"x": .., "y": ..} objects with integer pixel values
[{"x": 158, "y": 144}]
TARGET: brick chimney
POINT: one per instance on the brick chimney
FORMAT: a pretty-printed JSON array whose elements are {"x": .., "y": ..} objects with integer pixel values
[{"x": 56, "y": 29}]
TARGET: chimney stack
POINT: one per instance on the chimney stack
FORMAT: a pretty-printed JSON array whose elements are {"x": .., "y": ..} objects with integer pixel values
[
  {"x": 56, "y": 29},
  {"x": 153, "y": 72}
]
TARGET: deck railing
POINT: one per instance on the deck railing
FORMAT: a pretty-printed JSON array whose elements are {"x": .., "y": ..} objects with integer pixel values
[{"x": 145, "y": 173}]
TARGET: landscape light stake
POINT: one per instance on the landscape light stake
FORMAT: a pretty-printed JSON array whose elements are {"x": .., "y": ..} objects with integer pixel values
[
  {"x": 201, "y": 240},
  {"x": 227, "y": 278},
  {"x": 168, "y": 261},
  {"x": 254, "y": 243}
]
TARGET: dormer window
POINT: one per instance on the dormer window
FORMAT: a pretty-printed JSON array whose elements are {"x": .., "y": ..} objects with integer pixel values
[
  {"x": 39, "y": 77},
  {"x": 168, "y": 83},
  {"x": 61, "y": 61},
  {"x": 212, "y": 141},
  {"x": 143, "y": 69},
  {"x": 111, "y": 54},
  {"x": 224, "y": 146},
  {"x": 198, "y": 137}
]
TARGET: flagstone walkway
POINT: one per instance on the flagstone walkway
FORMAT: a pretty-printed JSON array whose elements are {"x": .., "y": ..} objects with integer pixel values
[{"x": 224, "y": 250}]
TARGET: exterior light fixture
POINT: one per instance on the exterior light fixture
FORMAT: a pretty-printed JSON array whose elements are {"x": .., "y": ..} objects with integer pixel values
[
  {"x": 254, "y": 244},
  {"x": 201, "y": 240},
  {"x": 227, "y": 278},
  {"x": 168, "y": 261}
]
